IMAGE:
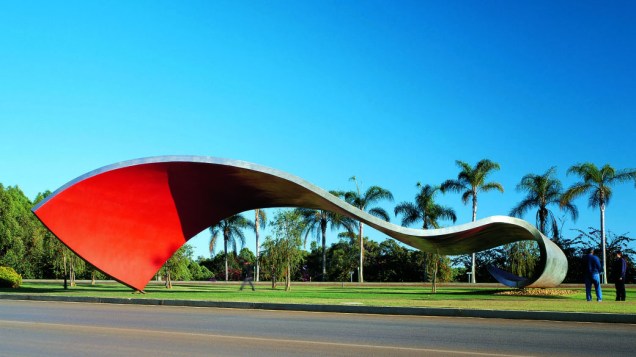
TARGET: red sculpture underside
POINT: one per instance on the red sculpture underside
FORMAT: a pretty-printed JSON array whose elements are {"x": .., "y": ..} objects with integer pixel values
[{"x": 128, "y": 221}]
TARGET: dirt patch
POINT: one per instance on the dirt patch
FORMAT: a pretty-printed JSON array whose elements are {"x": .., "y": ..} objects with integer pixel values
[{"x": 537, "y": 292}]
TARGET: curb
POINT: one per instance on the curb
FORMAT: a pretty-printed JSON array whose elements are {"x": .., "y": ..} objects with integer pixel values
[{"x": 351, "y": 309}]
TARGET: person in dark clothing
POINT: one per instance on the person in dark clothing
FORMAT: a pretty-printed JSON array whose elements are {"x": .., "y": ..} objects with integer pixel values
[
  {"x": 248, "y": 275},
  {"x": 592, "y": 271},
  {"x": 618, "y": 272}
]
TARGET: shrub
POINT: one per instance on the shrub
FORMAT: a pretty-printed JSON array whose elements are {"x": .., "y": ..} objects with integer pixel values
[
  {"x": 9, "y": 278},
  {"x": 199, "y": 272}
]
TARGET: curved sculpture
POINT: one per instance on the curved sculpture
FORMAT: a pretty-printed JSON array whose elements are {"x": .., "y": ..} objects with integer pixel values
[{"x": 127, "y": 219}]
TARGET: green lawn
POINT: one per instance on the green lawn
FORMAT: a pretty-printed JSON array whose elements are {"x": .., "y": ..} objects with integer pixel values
[{"x": 373, "y": 295}]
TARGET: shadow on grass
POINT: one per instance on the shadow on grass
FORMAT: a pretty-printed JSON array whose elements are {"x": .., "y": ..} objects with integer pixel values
[
  {"x": 498, "y": 294},
  {"x": 79, "y": 289},
  {"x": 32, "y": 290}
]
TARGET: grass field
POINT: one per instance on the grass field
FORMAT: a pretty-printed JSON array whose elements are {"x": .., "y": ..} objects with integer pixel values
[{"x": 456, "y": 296}]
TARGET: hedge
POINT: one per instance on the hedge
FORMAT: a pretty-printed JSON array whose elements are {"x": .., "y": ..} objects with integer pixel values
[{"x": 9, "y": 278}]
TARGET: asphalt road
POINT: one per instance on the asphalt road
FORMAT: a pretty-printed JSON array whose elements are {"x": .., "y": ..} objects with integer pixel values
[{"x": 29, "y": 328}]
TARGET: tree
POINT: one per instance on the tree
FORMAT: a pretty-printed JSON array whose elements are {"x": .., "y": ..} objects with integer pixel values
[
  {"x": 392, "y": 261},
  {"x": 543, "y": 190},
  {"x": 573, "y": 250},
  {"x": 260, "y": 220},
  {"x": 497, "y": 256},
  {"x": 469, "y": 182},
  {"x": 271, "y": 260},
  {"x": 216, "y": 265},
  {"x": 283, "y": 251},
  {"x": 246, "y": 255},
  {"x": 316, "y": 222},
  {"x": 20, "y": 244},
  {"x": 598, "y": 184},
  {"x": 232, "y": 229},
  {"x": 177, "y": 266},
  {"x": 27, "y": 246},
  {"x": 342, "y": 257},
  {"x": 373, "y": 264},
  {"x": 199, "y": 272},
  {"x": 362, "y": 201},
  {"x": 615, "y": 243},
  {"x": 57, "y": 259},
  {"x": 522, "y": 257},
  {"x": 426, "y": 210}
]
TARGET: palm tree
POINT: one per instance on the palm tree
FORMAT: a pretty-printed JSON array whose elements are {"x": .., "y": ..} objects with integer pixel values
[
  {"x": 232, "y": 229},
  {"x": 316, "y": 222},
  {"x": 597, "y": 183},
  {"x": 469, "y": 182},
  {"x": 363, "y": 201},
  {"x": 543, "y": 190},
  {"x": 426, "y": 210},
  {"x": 260, "y": 220}
]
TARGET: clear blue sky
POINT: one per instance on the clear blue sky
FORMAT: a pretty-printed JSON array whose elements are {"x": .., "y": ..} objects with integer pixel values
[{"x": 390, "y": 91}]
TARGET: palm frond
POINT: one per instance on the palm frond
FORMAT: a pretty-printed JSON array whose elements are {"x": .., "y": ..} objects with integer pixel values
[
  {"x": 555, "y": 227},
  {"x": 352, "y": 198},
  {"x": 339, "y": 194},
  {"x": 377, "y": 193},
  {"x": 464, "y": 166},
  {"x": 587, "y": 171},
  {"x": 576, "y": 190},
  {"x": 452, "y": 186},
  {"x": 409, "y": 211},
  {"x": 523, "y": 207},
  {"x": 466, "y": 196},
  {"x": 444, "y": 212},
  {"x": 337, "y": 221},
  {"x": 485, "y": 166},
  {"x": 492, "y": 186},
  {"x": 571, "y": 209},
  {"x": 626, "y": 175},
  {"x": 607, "y": 173},
  {"x": 380, "y": 213},
  {"x": 599, "y": 196},
  {"x": 311, "y": 222}
]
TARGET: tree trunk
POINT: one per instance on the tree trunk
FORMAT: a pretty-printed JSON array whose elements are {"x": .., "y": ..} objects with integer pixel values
[
  {"x": 323, "y": 227},
  {"x": 473, "y": 279},
  {"x": 273, "y": 277},
  {"x": 256, "y": 231},
  {"x": 168, "y": 279},
  {"x": 434, "y": 280},
  {"x": 604, "y": 281},
  {"x": 542, "y": 219},
  {"x": 288, "y": 279},
  {"x": 361, "y": 266},
  {"x": 64, "y": 260},
  {"x": 225, "y": 251},
  {"x": 72, "y": 271},
  {"x": 93, "y": 277}
]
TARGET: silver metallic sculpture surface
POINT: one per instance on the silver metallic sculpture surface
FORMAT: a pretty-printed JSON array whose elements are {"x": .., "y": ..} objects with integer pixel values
[{"x": 227, "y": 187}]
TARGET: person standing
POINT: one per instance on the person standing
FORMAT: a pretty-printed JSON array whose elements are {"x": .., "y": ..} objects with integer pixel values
[
  {"x": 248, "y": 275},
  {"x": 592, "y": 271},
  {"x": 618, "y": 271}
]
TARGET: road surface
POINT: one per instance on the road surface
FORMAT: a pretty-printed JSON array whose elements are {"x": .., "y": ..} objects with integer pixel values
[{"x": 29, "y": 328}]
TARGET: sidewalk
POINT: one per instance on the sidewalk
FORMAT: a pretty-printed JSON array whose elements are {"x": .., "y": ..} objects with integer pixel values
[{"x": 355, "y": 309}]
